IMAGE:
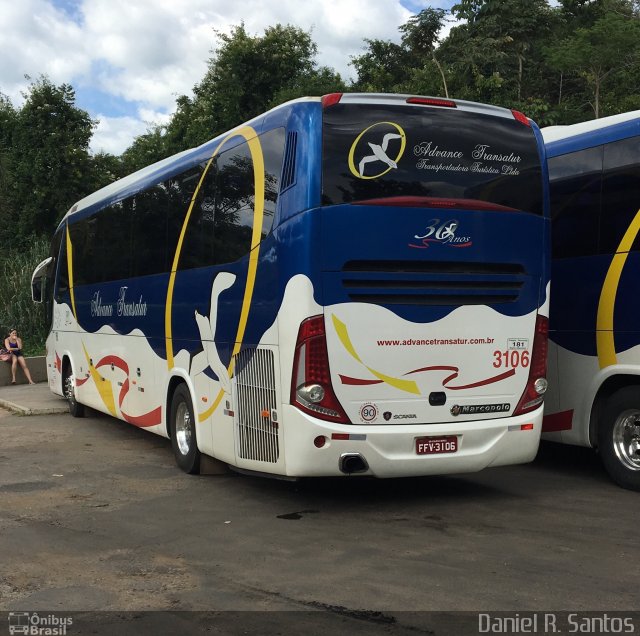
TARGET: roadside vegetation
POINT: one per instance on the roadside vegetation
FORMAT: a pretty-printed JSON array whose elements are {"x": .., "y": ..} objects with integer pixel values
[{"x": 558, "y": 61}]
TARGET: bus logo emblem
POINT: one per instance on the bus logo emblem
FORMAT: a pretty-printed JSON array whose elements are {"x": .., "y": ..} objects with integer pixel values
[{"x": 377, "y": 148}]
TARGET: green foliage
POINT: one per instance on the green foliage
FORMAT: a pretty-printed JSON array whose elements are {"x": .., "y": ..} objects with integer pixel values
[
  {"x": 589, "y": 53},
  {"x": 18, "y": 310},
  {"x": 45, "y": 165},
  {"x": 50, "y": 159},
  {"x": 559, "y": 62}
]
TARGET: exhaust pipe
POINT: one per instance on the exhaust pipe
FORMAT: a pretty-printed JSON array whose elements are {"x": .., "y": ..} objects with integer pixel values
[{"x": 351, "y": 463}]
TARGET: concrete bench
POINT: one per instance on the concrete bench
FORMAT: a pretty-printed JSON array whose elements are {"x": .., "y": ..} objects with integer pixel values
[{"x": 37, "y": 367}]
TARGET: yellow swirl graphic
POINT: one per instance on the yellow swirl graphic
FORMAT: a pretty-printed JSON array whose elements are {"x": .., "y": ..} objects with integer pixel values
[
  {"x": 250, "y": 136},
  {"x": 404, "y": 385},
  {"x": 605, "y": 337}
]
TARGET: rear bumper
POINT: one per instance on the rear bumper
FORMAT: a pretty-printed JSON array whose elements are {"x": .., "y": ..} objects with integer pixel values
[{"x": 390, "y": 450}]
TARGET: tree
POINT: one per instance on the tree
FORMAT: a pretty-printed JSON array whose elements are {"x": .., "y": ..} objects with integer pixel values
[
  {"x": 245, "y": 77},
  {"x": 420, "y": 37},
  {"x": 598, "y": 53},
  {"x": 382, "y": 68},
  {"x": 503, "y": 39},
  {"x": 49, "y": 158}
]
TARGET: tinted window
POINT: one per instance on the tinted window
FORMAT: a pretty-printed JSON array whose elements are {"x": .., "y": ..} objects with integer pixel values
[
  {"x": 63, "y": 273},
  {"x": 234, "y": 204},
  {"x": 149, "y": 254},
  {"x": 620, "y": 192},
  {"x": 575, "y": 202},
  {"x": 102, "y": 245},
  {"x": 447, "y": 154},
  {"x": 179, "y": 191},
  {"x": 273, "y": 150}
]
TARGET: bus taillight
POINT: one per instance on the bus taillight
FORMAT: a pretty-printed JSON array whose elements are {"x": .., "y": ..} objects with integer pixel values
[
  {"x": 521, "y": 117},
  {"x": 311, "y": 389},
  {"x": 330, "y": 99},
  {"x": 537, "y": 383},
  {"x": 432, "y": 101}
]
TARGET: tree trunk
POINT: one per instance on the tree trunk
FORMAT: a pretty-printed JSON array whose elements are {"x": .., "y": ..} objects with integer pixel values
[
  {"x": 444, "y": 80},
  {"x": 519, "y": 75},
  {"x": 560, "y": 93}
]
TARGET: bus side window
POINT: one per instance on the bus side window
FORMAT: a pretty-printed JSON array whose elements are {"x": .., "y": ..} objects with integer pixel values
[
  {"x": 221, "y": 224},
  {"x": 575, "y": 202},
  {"x": 620, "y": 192},
  {"x": 62, "y": 279},
  {"x": 234, "y": 204},
  {"x": 83, "y": 242},
  {"x": 179, "y": 191},
  {"x": 197, "y": 249},
  {"x": 149, "y": 232},
  {"x": 272, "y": 143},
  {"x": 111, "y": 245}
]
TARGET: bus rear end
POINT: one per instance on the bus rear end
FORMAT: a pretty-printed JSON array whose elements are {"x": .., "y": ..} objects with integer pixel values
[{"x": 428, "y": 269}]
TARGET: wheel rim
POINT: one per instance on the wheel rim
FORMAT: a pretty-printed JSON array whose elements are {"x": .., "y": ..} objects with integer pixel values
[
  {"x": 626, "y": 439},
  {"x": 183, "y": 428},
  {"x": 69, "y": 390}
]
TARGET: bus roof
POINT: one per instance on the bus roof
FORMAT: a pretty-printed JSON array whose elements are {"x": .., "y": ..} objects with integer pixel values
[
  {"x": 164, "y": 169},
  {"x": 560, "y": 140}
]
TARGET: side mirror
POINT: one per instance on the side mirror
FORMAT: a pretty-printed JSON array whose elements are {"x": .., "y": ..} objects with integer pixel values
[{"x": 40, "y": 274}]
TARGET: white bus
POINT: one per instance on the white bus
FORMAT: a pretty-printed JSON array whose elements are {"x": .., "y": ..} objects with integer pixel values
[
  {"x": 594, "y": 359},
  {"x": 353, "y": 284}
]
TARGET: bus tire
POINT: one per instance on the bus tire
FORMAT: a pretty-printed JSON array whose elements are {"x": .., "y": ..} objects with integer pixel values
[
  {"x": 69, "y": 387},
  {"x": 619, "y": 437},
  {"x": 183, "y": 431}
]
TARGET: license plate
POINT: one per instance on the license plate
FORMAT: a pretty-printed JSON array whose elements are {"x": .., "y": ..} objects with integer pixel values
[{"x": 436, "y": 445}]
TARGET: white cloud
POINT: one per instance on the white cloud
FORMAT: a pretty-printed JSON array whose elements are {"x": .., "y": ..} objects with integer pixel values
[
  {"x": 115, "y": 134},
  {"x": 150, "y": 51}
]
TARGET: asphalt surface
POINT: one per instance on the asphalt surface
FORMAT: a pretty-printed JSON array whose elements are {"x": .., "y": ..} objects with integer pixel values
[{"x": 95, "y": 516}]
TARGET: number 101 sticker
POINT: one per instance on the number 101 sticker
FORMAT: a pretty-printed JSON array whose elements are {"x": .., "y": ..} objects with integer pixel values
[{"x": 517, "y": 343}]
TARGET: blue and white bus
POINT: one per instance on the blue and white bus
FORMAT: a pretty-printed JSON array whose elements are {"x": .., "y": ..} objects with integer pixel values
[
  {"x": 353, "y": 284},
  {"x": 594, "y": 363}
]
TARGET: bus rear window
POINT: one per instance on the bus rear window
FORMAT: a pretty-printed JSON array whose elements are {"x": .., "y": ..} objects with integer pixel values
[{"x": 434, "y": 157}]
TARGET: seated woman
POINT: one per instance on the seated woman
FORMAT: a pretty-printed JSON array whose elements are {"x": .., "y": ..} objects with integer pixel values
[{"x": 13, "y": 344}]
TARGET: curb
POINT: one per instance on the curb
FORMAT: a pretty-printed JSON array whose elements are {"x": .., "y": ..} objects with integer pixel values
[{"x": 22, "y": 410}]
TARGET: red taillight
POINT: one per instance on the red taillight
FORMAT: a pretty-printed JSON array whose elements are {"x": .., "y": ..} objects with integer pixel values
[
  {"x": 521, "y": 117},
  {"x": 432, "y": 101},
  {"x": 311, "y": 389},
  {"x": 533, "y": 395},
  {"x": 331, "y": 99}
]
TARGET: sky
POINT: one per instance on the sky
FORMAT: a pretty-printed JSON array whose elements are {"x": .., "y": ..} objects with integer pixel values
[{"x": 128, "y": 60}]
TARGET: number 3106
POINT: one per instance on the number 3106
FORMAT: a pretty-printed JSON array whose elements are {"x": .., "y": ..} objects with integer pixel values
[{"x": 510, "y": 359}]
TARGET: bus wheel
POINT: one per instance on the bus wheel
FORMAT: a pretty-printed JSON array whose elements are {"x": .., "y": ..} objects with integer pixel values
[
  {"x": 619, "y": 437},
  {"x": 69, "y": 387},
  {"x": 183, "y": 431}
]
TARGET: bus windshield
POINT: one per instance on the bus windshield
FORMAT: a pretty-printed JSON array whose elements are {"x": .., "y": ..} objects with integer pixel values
[{"x": 429, "y": 157}]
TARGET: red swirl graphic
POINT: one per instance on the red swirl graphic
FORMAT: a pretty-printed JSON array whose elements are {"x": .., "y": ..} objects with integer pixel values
[
  {"x": 152, "y": 418},
  {"x": 455, "y": 372}
]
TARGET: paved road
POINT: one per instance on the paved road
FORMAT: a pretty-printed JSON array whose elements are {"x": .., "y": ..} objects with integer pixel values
[{"x": 95, "y": 515}]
